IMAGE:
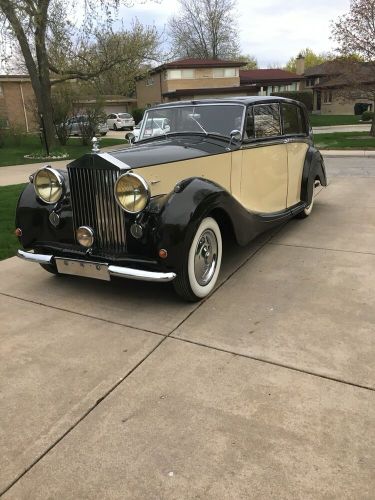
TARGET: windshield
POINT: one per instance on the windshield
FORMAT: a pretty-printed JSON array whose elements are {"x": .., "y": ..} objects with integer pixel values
[{"x": 205, "y": 118}]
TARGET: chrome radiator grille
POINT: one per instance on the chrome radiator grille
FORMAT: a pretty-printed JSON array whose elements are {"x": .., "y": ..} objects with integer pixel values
[{"x": 94, "y": 205}]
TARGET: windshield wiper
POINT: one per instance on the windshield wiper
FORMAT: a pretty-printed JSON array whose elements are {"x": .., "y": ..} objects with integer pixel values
[{"x": 199, "y": 125}]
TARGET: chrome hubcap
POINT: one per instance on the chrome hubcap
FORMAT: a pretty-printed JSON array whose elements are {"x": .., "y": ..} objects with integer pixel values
[{"x": 205, "y": 258}]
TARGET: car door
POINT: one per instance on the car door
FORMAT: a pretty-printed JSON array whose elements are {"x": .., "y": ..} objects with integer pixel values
[
  {"x": 110, "y": 120},
  {"x": 264, "y": 171},
  {"x": 295, "y": 129}
]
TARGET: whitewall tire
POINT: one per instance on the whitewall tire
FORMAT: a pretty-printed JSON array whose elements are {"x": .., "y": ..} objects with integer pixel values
[{"x": 198, "y": 275}]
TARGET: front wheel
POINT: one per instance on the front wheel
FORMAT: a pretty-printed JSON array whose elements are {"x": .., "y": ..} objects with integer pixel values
[{"x": 198, "y": 275}]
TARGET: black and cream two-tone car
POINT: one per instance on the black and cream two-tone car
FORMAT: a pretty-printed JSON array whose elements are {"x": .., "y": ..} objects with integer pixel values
[{"x": 158, "y": 210}]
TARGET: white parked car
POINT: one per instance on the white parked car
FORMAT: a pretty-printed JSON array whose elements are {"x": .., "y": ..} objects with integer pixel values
[
  {"x": 79, "y": 122},
  {"x": 153, "y": 128},
  {"x": 120, "y": 121}
]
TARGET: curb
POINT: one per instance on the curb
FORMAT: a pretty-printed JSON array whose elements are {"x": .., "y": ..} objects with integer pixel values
[{"x": 339, "y": 153}]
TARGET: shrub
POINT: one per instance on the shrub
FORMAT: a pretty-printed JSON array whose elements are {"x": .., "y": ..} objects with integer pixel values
[
  {"x": 62, "y": 105},
  {"x": 138, "y": 114},
  {"x": 305, "y": 97},
  {"x": 15, "y": 134},
  {"x": 3, "y": 131},
  {"x": 367, "y": 116}
]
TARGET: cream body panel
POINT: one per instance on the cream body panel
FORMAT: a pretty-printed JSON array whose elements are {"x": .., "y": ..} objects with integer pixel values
[
  {"x": 296, "y": 159},
  {"x": 236, "y": 172},
  {"x": 163, "y": 178},
  {"x": 264, "y": 181}
]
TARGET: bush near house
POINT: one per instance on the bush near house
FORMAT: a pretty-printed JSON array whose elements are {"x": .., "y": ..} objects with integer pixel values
[
  {"x": 138, "y": 114},
  {"x": 298, "y": 95},
  {"x": 367, "y": 116}
]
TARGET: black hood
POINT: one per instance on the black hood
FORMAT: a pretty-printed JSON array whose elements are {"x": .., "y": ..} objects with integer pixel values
[{"x": 169, "y": 150}]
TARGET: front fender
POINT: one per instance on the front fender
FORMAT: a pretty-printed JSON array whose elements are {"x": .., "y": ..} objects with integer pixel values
[
  {"x": 191, "y": 201},
  {"x": 313, "y": 168}
]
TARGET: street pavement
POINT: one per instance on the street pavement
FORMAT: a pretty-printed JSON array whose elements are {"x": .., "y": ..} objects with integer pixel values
[
  {"x": 265, "y": 390},
  {"x": 342, "y": 128}
]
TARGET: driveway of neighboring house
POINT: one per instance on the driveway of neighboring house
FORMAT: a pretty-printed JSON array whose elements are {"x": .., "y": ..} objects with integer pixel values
[{"x": 265, "y": 390}]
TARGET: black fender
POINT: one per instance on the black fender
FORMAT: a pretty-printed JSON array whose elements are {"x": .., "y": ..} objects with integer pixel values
[
  {"x": 190, "y": 202},
  {"x": 32, "y": 217},
  {"x": 313, "y": 169}
]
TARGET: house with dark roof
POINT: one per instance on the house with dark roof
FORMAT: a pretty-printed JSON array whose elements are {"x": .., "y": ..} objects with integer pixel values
[
  {"x": 192, "y": 79},
  {"x": 341, "y": 89},
  {"x": 271, "y": 80}
]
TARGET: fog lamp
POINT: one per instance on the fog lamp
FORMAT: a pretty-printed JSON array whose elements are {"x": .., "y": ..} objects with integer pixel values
[{"x": 85, "y": 236}]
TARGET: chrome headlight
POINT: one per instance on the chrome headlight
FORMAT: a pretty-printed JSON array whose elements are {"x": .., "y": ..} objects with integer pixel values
[
  {"x": 132, "y": 193},
  {"x": 49, "y": 185}
]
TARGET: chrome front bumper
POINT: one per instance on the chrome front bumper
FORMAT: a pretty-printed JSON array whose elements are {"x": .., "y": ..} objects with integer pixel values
[{"x": 121, "y": 272}]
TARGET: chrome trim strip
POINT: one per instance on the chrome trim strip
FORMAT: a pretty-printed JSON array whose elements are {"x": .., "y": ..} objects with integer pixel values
[
  {"x": 121, "y": 272},
  {"x": 115, "y": 161},
  {"x": 138, "y": 274},
  {"x": 37, "y": 258}
]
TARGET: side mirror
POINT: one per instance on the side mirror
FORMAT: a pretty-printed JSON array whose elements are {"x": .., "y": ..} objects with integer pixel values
[
  {"x": 130, "y": 137},
  {"x": 235, "y": 135}
]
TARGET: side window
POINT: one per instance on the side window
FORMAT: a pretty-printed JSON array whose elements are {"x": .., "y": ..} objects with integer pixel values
[
  {"x": 249, "y": 129},
  {"x": 293, "y": 120},
  {"x": 267, "y": 120}
]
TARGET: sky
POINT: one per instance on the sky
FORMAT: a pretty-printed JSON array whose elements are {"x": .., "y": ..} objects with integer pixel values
[{"x": 271, "y": 30}]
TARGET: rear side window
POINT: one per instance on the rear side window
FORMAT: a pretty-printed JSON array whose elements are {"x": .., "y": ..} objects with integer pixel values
[
  {"x": 267, "y": 121},
  {"x": 293, "y": 120}
]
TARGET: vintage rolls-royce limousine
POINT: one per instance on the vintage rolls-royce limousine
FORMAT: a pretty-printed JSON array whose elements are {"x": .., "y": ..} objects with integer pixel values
[{"x": 158, "y": 210}]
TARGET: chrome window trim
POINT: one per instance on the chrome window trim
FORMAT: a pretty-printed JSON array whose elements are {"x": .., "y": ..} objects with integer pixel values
[{"x": 244, "y": 106}]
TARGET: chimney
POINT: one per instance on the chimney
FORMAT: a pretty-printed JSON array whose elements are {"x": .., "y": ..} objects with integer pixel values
[{"x": 300, "y": 65}]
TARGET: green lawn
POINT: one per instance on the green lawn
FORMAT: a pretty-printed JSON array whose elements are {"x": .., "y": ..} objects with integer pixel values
[
  {"x": 345, "y": 140},
  {"x": 8, "y": 201},
  {"x": 329, "y": 120},
  {"x": 11, "y": 154}
]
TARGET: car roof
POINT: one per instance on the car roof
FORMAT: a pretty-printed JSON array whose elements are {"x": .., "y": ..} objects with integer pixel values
[{"x": 255, "y": 99}]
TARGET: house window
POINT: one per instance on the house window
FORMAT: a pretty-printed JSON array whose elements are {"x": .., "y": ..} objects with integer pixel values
[
  {"x": 149, "y": 82},
  {"x": 225, "y": 72},
  {"x": 327, "y": 97},
  {"x": 180, "y": 74},
  {"x": 310, "y": 82}
]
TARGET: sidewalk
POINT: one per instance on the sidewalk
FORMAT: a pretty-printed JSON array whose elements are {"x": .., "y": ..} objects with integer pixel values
[{"x": 18, "y": 174}]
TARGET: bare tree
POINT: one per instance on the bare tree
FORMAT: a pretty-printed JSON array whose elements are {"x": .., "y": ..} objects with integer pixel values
[
  {"x": 355, "y": 34},
  {"x": 60, "y": 42},
  {"x": 205, "y": 29}
]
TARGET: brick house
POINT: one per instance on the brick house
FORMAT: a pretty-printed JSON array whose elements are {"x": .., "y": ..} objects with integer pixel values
[
  {"x": 192, "y": 79},
  {"x": 209, "y": 78},
  {"x": 329, "y": 83},
  {"x": 271, "y": 80},
  {"x": 16, "y": 102}
]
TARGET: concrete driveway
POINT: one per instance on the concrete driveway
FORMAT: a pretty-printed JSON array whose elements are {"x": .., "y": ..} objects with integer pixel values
[{"x": 265, "y": 390}]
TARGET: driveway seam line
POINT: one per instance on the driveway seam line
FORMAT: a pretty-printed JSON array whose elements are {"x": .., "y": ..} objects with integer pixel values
[
  {"x": 83, "y": 315},
  {"x": 322, "y": 248},
  {"x": 77, "y": 422},
  {"x": 119, "y": 382},
  {"x": 276, "y": 363}
]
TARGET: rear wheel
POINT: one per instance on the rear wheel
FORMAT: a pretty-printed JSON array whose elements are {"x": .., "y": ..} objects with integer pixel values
[
  {"x": 198, "y": 275},
  {"x": 307, "y": 210}
]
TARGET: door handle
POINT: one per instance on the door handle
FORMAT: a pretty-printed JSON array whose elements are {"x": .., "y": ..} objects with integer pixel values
[{"x": 286, "y": 141}]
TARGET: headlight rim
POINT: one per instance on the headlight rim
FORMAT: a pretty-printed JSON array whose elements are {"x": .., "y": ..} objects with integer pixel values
[
  {"x": 60, "y": 180},
  {"x": 144, "y": 184}
]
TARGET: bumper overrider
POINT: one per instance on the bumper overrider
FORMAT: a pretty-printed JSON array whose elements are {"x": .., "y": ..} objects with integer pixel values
[{"x": 98, "y": 270}]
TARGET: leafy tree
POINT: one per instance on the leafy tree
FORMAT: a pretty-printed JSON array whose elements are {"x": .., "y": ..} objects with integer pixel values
[
  {"x": 355, "y": 34},
  {"x": 60, "y": 42},
  {"x": 205, "y": 29},
  {"x": 251, "y": 61},
  {"x": 311, "y": 59}
]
